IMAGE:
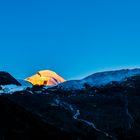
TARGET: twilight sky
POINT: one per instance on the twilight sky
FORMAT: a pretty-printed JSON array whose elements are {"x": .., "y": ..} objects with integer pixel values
[{"x": 71, "y": 37}]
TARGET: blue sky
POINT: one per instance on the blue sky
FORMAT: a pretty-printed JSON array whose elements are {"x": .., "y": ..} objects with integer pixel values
[{"x": 71, "y": 37}]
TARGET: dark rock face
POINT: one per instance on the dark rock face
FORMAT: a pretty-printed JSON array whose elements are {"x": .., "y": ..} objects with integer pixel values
[
  {"x": 6, "y": 78},
  {"x": 99, "y": 113},
  {"x": 19, "y": 124}
]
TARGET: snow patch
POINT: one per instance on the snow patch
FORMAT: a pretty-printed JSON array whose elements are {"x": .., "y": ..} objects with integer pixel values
[{"x": 10, "y": 89}]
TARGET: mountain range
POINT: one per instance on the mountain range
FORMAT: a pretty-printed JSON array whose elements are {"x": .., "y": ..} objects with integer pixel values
[{"x": 102, "y": 106}]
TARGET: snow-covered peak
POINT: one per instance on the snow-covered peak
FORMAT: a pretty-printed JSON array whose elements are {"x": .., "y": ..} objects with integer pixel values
[
  {"x": 104, "y": 78},
  {"x": 100, "y": 79},
  {"x": 45, "y": 78}
]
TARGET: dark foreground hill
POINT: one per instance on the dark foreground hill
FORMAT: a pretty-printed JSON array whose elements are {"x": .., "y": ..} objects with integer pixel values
[
  {"x": 106, "y": 112},
  {"x": 6, "y": 78},
  {"x": 16, "y": 123}
]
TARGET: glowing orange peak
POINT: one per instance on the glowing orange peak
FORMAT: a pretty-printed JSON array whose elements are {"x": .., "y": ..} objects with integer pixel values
[{"x": 46, "y": 78}]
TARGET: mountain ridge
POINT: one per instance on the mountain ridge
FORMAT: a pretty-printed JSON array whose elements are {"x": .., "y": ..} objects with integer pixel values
[
  {"x": 100, "y": 79},
  {"x": 108, "y": 110}
]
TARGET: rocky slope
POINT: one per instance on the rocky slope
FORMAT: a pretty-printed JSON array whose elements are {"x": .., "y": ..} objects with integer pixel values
[{"x": 102, "y": 112}]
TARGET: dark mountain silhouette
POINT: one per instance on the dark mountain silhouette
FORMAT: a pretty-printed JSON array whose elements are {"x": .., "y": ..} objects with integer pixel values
[
  {"x": 17, "y": 123},
  {"x": 104, "y": 111},
  {"x": 6, "y": 79}
]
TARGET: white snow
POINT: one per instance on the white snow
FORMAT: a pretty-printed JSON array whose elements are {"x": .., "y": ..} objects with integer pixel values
[
  {"x": 100, "y": 79},
  {"x": 9, "y": 89},
  {"x": 104, "y": 78},
  {"x": 75, "y": 116}
]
